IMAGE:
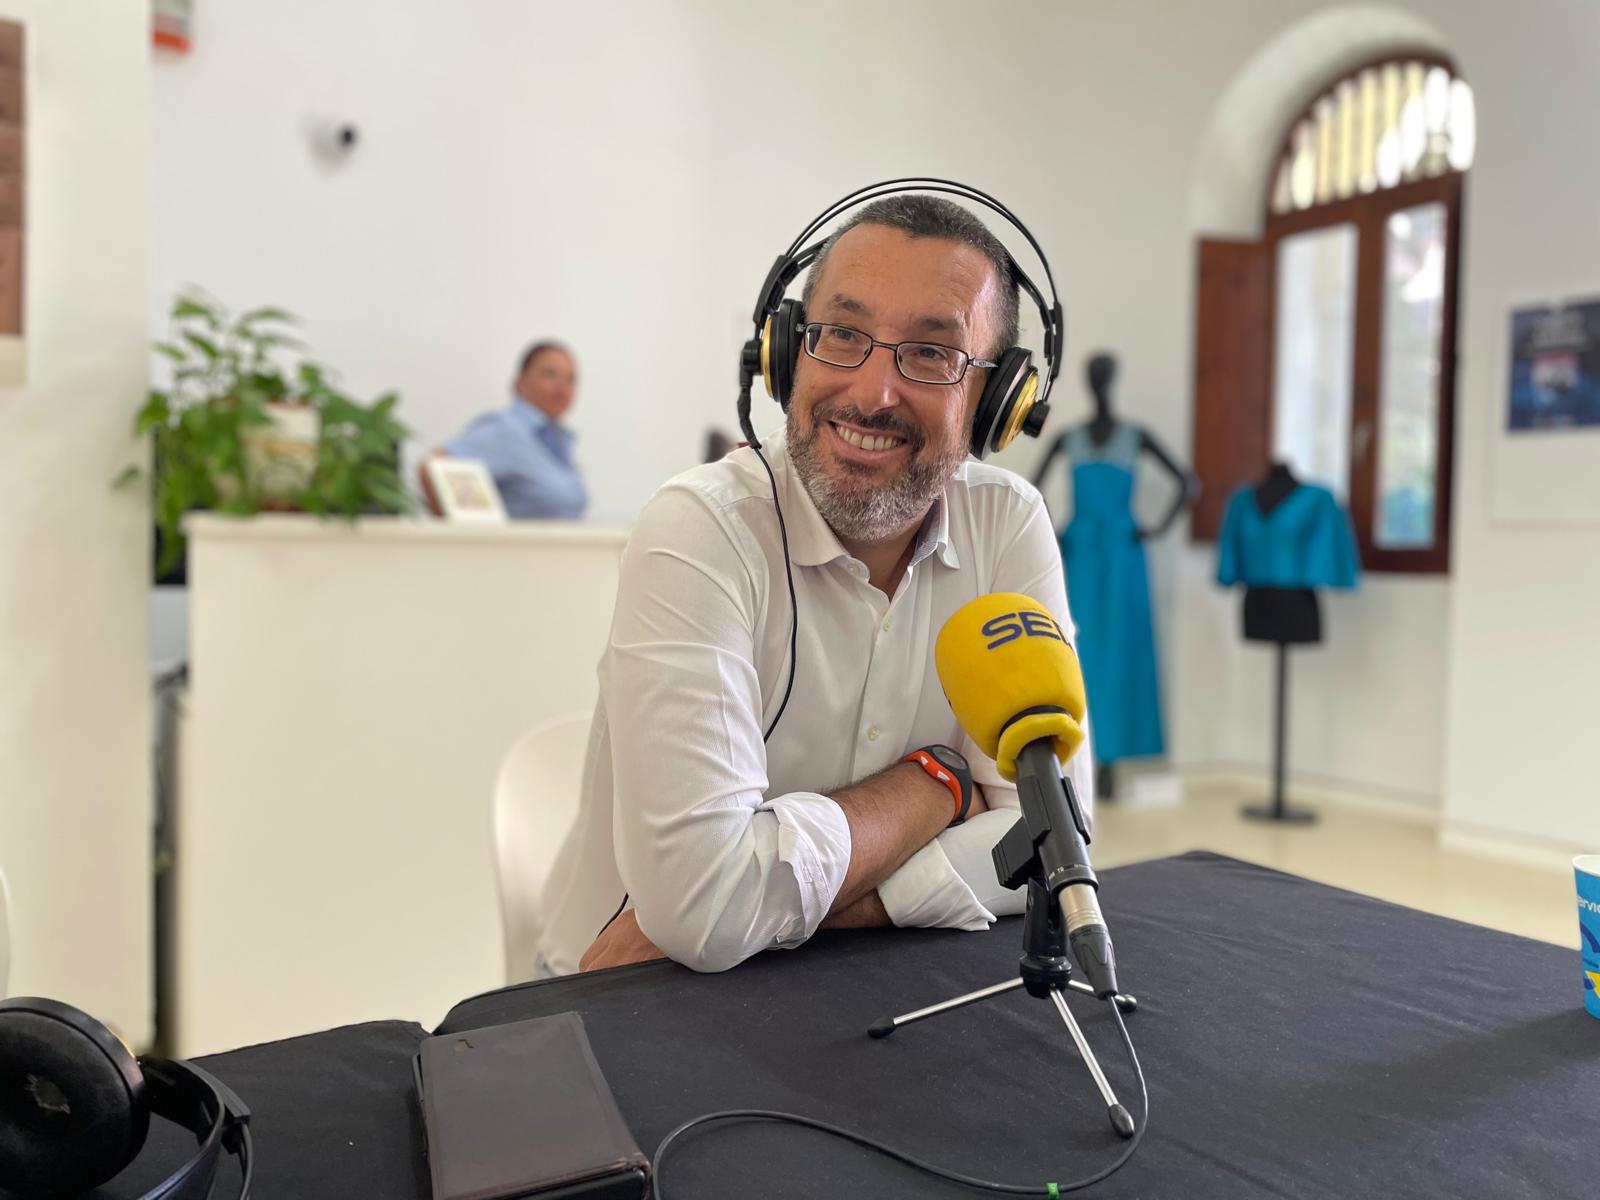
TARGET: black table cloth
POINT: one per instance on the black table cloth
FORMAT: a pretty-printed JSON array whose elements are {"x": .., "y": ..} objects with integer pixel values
[{"x": 1298, "y": 1041}]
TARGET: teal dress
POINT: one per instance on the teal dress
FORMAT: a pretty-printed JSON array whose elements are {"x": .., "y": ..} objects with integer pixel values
[{"x": 1108, "y": 587}]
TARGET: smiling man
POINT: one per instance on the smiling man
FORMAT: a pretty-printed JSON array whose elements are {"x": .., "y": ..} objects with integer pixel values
[{"x": 866, "y": 805}]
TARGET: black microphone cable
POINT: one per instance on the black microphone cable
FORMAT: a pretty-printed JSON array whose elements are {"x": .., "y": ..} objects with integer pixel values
[
  {"x": 1049, "y": 1189},
  {"x": 794, "y": 606}
]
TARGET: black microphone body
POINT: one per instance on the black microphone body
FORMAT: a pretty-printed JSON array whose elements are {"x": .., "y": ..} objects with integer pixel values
[{"x": 1058, "y": 835}]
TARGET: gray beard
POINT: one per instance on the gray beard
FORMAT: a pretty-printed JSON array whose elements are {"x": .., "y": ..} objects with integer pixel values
[{"x": 856, "y": 507}]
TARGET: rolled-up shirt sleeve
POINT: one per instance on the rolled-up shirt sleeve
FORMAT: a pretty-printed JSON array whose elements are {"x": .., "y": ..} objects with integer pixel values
[
  {"x": 716, "y": 869},
  {"x": 951, "y": 882}
]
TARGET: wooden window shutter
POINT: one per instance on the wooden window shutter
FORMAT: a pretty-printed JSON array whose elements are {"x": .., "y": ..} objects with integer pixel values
[{"x": 1232, "y": 375}]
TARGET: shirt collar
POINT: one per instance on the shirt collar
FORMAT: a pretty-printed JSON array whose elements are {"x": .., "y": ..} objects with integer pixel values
[
  {"x": 536, "y": 422},
  {"x": 935, "y": 538},
  {"x": 812, "y": 541}
]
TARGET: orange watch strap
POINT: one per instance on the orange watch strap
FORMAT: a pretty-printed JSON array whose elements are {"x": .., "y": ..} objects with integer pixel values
[{"x": 940, "y": 773}]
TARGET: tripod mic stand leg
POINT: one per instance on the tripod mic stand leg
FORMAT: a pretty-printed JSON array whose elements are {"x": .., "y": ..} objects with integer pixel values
[
  {"x": 883, "y": 1027},
  {"x": 1121, "y": 1118},
  {"x": 887, "y": 1025}
]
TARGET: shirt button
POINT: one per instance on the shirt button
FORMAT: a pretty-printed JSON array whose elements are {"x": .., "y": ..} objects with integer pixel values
[
  {"x": 886, "y": 624},
  {"x": 872, "y": 733}
]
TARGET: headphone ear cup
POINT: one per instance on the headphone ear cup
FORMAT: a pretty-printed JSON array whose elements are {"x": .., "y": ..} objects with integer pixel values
[
  {"x": 73, "y": 1110},
  {"x": 783, "y": 350},
  {"x": 996, "y": 420}
]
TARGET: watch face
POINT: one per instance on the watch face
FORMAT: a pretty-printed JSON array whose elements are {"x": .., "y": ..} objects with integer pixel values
[{"x": 950, "y": 758}]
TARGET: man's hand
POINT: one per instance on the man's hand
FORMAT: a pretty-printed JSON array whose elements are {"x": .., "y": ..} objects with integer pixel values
[{"x": 619, "y": 943}]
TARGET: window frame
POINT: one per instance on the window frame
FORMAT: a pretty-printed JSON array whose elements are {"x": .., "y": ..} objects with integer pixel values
[{"x": 1369, "y": 213}]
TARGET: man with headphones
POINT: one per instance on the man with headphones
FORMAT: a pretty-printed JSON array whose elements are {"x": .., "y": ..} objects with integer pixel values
[{"x": 772, "y": 753}]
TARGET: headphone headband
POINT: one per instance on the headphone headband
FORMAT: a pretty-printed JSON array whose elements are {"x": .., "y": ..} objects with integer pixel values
[
  {"x": 211, "y": 1110},
  {"x": 799, "y": 256}
]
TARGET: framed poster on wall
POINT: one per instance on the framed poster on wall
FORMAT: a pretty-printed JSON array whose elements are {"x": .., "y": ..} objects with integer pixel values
[
  {"x": 1545, "y": 444},
  {"x": 1554, "y": 382}
]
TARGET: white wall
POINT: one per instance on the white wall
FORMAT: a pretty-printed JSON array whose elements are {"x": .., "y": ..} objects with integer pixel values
[
  {"x": 1524, "y": 647},
  {"x": 622, "y": 174},
  {"x": 74, "y": 557}
]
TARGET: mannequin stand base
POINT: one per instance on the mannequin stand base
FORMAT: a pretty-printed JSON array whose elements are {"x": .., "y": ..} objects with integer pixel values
[{"x": 1283, "y": 814}]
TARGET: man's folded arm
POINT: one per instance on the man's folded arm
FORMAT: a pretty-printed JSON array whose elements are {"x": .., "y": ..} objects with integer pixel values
[{"x": 716, "y": 869}]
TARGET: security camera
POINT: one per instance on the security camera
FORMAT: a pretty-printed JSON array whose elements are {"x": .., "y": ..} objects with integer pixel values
[{"x": 335, "y": 139}]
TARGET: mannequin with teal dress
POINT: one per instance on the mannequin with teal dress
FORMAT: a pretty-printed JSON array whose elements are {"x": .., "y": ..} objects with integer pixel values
[{"x": 1108, "y": 584}]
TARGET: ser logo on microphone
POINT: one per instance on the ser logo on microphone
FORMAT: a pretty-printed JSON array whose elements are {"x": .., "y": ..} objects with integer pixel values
[{"x": 1008, "y": 627}]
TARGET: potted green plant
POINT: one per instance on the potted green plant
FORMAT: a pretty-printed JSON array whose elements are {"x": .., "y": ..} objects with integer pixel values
[{"x": 237, "y": 431}]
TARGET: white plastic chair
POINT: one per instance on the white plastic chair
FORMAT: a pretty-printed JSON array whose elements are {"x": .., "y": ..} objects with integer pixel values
[
  {"x": 5, "y": 934},
  {"x": 535, "y": 805}
]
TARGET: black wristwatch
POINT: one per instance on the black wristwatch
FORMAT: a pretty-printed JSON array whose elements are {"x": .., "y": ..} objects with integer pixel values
[{"x": 948, "y": 767}]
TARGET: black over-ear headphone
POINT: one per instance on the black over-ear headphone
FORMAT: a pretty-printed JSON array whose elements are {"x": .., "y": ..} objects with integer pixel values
[
  {"x": 1014, "y": 398},
  {"x": 75, "y": 1106}
]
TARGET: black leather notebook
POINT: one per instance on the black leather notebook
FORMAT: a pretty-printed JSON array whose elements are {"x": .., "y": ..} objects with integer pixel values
[{"x": 522, "y": 1110}]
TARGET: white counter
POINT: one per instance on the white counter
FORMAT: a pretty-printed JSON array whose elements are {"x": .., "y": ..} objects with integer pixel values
[{"x": 353, "y": 689}]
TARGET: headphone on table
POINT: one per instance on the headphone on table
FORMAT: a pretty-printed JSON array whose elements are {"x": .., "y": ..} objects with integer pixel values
[
  {"x": 1015, "y": 396},
  {"x": 75, "y": 1107}
]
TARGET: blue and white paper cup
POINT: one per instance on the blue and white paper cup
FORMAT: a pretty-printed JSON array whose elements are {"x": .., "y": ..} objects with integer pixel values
[{"x": 1587, "y": 869}]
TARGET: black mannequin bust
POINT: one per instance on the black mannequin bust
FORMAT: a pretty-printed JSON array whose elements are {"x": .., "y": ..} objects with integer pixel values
[
  {"x": 1275, "y": 487},
  {"x": 1100, "y": 374},
  {"x": 718, "y": 444}
]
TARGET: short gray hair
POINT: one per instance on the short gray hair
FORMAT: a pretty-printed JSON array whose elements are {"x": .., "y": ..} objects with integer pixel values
[{"x": 935, "y": 217}]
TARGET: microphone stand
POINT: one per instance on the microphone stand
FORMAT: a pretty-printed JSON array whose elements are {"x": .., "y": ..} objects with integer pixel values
[{"x": 1044, "y": 968}]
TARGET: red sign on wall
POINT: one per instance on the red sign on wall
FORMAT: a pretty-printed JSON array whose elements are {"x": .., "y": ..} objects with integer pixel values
[{"x": 174, "y": 24}]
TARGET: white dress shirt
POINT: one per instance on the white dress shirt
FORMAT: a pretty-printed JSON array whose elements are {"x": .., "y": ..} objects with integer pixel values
[{"x": 726, "y": 846}]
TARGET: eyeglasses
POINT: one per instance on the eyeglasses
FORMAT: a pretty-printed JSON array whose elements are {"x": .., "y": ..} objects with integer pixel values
[{"x": 920, "y": 362}]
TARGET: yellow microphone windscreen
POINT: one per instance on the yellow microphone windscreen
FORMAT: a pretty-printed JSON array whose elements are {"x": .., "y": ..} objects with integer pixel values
[{"x": 1011, "y": 677}]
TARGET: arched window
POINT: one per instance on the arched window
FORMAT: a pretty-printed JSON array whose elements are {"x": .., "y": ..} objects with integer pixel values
[
  {"x": 1337, "y": 329},
  {"x": 1392, "y": 122}
]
